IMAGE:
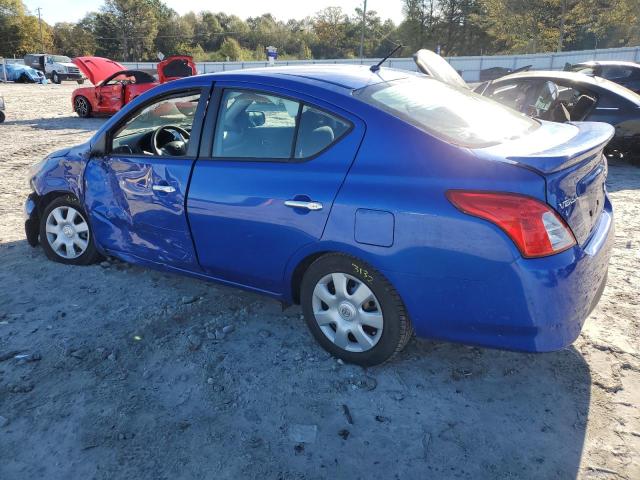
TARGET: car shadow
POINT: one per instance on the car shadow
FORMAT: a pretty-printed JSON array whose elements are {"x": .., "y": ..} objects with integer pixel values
[
  {"x": 622, "y": 176},
  {"x": 70, "y": 122},
  {"x": 521, "y": 415},
  {"x": 137, "y": 354}
]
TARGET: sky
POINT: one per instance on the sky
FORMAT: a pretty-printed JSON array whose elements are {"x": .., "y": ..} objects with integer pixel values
[{"x": 54, "y": 11}]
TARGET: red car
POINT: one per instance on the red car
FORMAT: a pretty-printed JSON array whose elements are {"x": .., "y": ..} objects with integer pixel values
[{"x": 115, "y": 86}]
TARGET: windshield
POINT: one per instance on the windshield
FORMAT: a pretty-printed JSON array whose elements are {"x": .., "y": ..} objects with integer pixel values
[
  {"x": 455, "y": 115},
  {"x": 60, "y": 59}
]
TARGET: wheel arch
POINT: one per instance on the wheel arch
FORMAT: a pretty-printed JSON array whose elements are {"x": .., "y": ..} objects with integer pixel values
[
  {"x": 42, "y": 201},
  {"x": 303, "y": 259}
]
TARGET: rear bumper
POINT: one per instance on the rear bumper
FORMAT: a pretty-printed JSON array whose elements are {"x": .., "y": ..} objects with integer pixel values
[{"x": 533, "y": 305}]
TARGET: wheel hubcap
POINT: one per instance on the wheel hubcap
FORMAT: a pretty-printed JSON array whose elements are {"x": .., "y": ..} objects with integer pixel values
[
  {"x": 67, "y": 232},
  {"x": 347, "y": 312}
]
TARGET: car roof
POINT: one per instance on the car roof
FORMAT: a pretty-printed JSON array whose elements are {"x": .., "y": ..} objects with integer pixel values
[
  {"x": 349, "y": 77},
  {"x": 552, "y": 75},
  {"x": 619, "y": 63}
]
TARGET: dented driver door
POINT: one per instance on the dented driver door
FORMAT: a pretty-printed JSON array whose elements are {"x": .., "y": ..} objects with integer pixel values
[{"x": 135, "y": 193}]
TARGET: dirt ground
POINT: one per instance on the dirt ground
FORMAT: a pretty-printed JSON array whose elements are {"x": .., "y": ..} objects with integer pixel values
[{"x": 123, "y": 372}]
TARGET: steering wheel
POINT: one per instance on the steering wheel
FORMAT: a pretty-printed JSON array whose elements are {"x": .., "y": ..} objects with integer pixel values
[{"x": 176, "y": 147}]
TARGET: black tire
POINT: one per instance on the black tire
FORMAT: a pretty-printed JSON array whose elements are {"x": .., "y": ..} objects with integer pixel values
[
  {"x": 396, "y": 330},
  {"x": 82, "y": 106},
  {"x": 2, "y": 117},
  {"x": 90, "y": 254},
  {"x": 55, "y": 78},
  {"x": 80, "y": 81}
]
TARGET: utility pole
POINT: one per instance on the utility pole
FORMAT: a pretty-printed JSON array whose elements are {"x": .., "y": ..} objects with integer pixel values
[
  {"x": 364, "y": 23},
  {"x": 563, "y": 3},
  {"x": 41, "y": 37}
]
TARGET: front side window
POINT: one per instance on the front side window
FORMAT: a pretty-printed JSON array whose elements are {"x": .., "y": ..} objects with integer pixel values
[
  {"x": 161, "y": 128},
  {"x": 257, "y": 125},
  {"x": 452, "y": 114}
]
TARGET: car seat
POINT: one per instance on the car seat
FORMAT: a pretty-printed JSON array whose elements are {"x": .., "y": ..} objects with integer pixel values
[
  {"x": 582, "y": 107},
  {"x": 314, "y": 135}
]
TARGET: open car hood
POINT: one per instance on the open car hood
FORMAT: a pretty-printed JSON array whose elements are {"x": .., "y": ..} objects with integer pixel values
[
  {"x": 176, "y": 66},
  {"x": 96, "y": 69},
  {"x": 432, "y": 64}
]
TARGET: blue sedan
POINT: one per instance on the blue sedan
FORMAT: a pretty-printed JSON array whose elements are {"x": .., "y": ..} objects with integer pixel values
[{"x": 384, "y": 202}]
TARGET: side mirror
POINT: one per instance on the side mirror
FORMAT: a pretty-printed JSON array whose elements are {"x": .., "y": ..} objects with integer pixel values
[{"x": 256, "y": 119}]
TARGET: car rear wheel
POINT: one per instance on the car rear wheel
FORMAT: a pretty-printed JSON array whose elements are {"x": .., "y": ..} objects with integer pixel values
[
  {"x": 2, "y": 117},
  {"x": 353, "y": 311},
  {"x": 65, "y": 233},
  {"x": 82, "y": 107},
  {"x": 56, "y": 78}
]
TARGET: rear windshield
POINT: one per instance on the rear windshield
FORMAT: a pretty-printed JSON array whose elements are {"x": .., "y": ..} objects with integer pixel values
[{"x": 455, "y": 115}]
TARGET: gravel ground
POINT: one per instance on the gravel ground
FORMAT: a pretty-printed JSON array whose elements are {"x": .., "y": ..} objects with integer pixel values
[{"x": 123, "y": 372}]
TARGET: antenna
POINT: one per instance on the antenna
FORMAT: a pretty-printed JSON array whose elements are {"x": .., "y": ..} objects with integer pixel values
[{"x": 376, "y": 67}]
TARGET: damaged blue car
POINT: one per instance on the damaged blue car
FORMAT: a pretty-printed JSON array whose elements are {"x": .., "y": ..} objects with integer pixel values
[
  {"x": 21, "y": 74},
  {"x": 383, "y": 202}
]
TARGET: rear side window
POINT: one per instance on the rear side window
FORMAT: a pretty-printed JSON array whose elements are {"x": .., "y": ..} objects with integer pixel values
[
  {"x": 456, "y": 115},
  {"x": 616, "y": 72},
  {"x": 317, "y": 131},
  {"x": 257, "y": 125}
]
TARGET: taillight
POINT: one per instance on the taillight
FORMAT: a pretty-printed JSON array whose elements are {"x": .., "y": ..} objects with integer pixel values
[{"x": 535, "y": 228}]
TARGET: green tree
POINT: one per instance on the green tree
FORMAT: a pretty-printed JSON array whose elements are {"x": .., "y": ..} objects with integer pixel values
[
  {"x": 231, "y": 50},
  {"x": 136, "y": 26},
  {"x": 72, "y": 40}
]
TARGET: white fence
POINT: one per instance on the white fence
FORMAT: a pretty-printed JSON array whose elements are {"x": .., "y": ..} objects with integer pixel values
[{"x": 470, "y": 67}]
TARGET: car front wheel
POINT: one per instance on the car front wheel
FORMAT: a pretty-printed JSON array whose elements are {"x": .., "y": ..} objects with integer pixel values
[
  {"x": 65, "y": 233},
  {"x": 353, "y": 311}
]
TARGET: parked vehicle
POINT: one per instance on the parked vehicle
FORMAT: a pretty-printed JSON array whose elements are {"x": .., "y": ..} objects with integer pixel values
[
  {"x": 55, "y": 67},
  {"x": 382, "y": 201},
  {"x": 115, "y": 86},
  {"x": 2, "y": 108},
  {"x": 494, "y": 73},
  {"x": 570, "y": 97},
  {"x": 626, "y": 74},
  {"x": 19, "y": 73},
  {"x": 557, "y": 97}
]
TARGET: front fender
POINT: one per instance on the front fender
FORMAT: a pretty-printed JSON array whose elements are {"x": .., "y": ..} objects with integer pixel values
[{"x": 61, "y": 171}]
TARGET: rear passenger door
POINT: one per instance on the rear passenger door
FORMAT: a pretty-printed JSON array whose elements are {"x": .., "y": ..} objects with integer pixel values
[{"x": 270, "y": 166}]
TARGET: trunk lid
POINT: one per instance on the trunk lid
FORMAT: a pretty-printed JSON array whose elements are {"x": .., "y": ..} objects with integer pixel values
[
  {"x": 96, "y": 69},
  {"x": 432, "y": 64},
  {"x": 573, "y": 165},
  {"x": 175, "y": 67}
]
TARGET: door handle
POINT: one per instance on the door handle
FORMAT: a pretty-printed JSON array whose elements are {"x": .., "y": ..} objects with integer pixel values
[
  {"x": 164, "y": 188},
  {"x": 306, "y": 205}
]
